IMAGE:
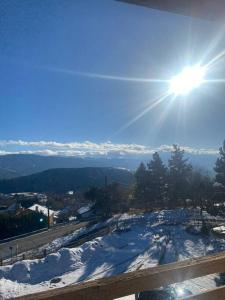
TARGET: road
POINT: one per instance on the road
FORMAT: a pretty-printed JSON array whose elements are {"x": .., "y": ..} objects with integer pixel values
[
  {"x": 89, "y": 236},
  {"x": 37, "y": 240}
]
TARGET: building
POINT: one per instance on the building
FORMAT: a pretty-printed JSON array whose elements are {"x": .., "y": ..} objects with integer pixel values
[
  {"x": 84, "y": 211},
  {"x": 45, "y": 211}
]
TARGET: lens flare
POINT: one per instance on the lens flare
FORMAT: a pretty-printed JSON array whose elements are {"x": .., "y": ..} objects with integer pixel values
[
  {"x": 180, "y": 292},
  {"x": 189, "y": 79}
]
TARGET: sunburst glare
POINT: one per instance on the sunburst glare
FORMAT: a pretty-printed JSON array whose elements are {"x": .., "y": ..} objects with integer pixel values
[
  {"x": 151, "y": 106},
  {"x": 190, "y": 78}
]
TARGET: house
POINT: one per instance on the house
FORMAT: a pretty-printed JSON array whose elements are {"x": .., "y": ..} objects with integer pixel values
[
  {"x": 85, "y": 211},
  {"x": 70, "y": 193},
  {"x": 45, "y": 211},
  {"x": 42, "y": 198}
]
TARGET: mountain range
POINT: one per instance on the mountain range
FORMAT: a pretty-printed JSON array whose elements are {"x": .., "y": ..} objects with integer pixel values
[{"x": 16, "y": 165}]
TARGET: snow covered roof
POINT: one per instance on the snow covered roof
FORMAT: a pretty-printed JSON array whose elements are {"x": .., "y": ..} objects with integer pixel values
[
  {"x": 72, "y": 218},
  {"x": 70, "y": 192},
  {"x": 25, "y": 194},
  {"x": 84, "y": 209},
  {"x": 217, "y": 184},
  {"x": 219, "y": 229},
  {"x": 42, "y": 209}
]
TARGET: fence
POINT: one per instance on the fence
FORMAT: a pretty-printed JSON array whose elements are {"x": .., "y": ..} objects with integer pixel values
[{"x": 137, "y": 281}]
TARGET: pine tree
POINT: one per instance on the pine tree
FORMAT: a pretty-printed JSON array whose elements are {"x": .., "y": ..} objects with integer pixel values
[
  {"x": 108, "y": 200},
  {"x": 157, "y": 181},
  {"x": 101, "y": 199},
  {"x": 201, "y": 189},
  {"x": 141, "y": 187},
  {"x": 179, "y": 177},
  {"x": 220, "y": 166}
]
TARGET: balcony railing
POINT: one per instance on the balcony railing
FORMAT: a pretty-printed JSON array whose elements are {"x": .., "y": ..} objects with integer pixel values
[{"x": 142, "y": 280}]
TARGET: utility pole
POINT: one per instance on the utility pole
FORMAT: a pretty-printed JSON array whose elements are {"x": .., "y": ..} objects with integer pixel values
[
  {"x": 11, "y": 250},
  {"x": 48, "y": 219},
  {"x": 17, "y": 250}
]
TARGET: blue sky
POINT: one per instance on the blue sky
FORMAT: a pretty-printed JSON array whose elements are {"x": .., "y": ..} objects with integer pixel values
[{"x": 48, "y": 47}]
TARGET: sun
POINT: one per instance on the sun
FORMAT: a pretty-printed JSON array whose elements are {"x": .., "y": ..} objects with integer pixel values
[{"x": 190, "y": 78}]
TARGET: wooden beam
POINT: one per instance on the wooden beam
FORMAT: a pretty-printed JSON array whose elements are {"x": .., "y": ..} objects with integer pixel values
[
  {"x": 137, "y": 281},
  {"x": 206, "y": 9}
]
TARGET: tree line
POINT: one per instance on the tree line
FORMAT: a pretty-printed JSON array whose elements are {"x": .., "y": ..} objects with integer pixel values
[
  {"x": 12, "y": 225},
  {"x": 165, "y": 186}
]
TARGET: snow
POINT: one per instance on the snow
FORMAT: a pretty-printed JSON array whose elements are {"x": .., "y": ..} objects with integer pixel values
[
  {"x": 140, "y": 241},
  {"x": 217, "y": 184},
  {"x": 70, "y": 192},
  {"x": 132, "y": 297},
  {"x": 84, "y": 209},
  {"x": 219, "y": 229},
  {"x": 42, "y": 209}
]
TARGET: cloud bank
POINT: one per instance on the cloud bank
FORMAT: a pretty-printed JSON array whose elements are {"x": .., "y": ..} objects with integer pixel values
[{"x": 90, "y": 149}]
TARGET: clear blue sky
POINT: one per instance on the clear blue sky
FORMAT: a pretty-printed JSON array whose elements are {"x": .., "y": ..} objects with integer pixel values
[{"x": 38, "y": 101}]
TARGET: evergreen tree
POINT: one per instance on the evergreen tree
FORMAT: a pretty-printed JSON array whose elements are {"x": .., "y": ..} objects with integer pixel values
[
  {"x": 220, "y": 166},
  {"x": 201, "y": 189},
  {"x": 118, "y": 196},
  {"x": 141, "y": 187},
  {"x": 179, "y": 177},
  {"x": 12, "y": 225},
  {"x": 157, "y": 181},
  {"x": 109, "y": 200},
  {"x": 101, "y": 199}
]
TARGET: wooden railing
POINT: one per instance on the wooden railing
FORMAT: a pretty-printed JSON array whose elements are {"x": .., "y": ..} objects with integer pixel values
[{"x": 137, "y": 281}]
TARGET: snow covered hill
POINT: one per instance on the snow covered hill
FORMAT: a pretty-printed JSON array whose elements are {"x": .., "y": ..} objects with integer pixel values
[{"x": 142, "y": 241}]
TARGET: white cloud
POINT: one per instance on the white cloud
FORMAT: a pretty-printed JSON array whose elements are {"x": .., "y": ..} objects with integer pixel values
[{"x": 90, "y": 149}]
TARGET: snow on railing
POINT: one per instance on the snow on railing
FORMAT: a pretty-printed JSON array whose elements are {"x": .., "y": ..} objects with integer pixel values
[{"x": 141, "y": 280}]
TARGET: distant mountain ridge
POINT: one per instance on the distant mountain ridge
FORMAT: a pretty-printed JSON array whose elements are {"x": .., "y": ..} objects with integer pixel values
[
  {"x": 16, "y": 165},
  {"x": 63, "y": 180}
]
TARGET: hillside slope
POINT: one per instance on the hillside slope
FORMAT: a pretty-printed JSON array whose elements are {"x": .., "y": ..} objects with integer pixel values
[
  {"x": 62, "y": 180},
  {"x": 16, "y": 165}
]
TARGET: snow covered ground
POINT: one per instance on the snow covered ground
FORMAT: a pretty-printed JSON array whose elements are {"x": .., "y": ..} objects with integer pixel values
[{"x": 142, "y": 241}]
